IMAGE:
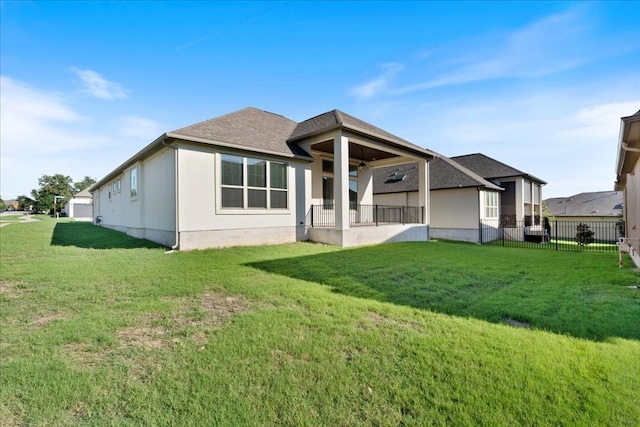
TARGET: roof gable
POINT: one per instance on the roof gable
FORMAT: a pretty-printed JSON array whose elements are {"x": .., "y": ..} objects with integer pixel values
[
  {"x": 599, "y": 203},
  {"x": 489, "y": 168},
  {"x": 336, "y": 119},
  {"x": 249, "y": 128}
]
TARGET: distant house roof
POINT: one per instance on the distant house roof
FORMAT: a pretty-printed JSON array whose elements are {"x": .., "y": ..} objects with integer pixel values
[
  {"x": 489, "y": 168},
  {"x": 599, "y": 203},
  {"x": 444, "y": 173},
  {"x": 83, "y": 193}
]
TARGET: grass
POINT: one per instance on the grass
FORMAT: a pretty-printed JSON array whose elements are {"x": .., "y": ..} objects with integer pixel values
[{"x": 102, "y": 329}]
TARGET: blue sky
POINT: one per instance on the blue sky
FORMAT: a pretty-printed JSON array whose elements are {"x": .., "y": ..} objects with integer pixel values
[{"x": 540, "y": 86}]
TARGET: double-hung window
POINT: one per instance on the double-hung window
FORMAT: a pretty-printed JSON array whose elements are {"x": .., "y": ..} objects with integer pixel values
[
  {"x": 249, "y": 183},
  {"x": 490, "y": 204}
]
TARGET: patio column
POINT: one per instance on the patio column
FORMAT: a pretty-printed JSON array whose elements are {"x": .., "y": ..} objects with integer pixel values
[
  {"x": 341, "y": 181},
  {"x": 423, "y": 189}
]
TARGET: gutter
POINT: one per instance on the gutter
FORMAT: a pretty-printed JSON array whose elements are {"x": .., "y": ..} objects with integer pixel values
[{"x": 176, "y": 246}]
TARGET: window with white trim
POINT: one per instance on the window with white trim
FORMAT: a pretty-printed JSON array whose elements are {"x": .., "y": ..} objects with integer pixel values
[
  {"x": 250, "y": 183},
  {"x": 133, "y": 175},
  {"x": 490, "y": 204}
]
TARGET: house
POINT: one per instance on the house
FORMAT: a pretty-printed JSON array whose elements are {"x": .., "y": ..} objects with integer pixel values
[
  {"x": 79, "y": 206},
  {"x": 628, "y": 181},
  {"x": 253, "y": 177},
  {"x": 461, "y": 200},
  {"x": 600, "y": 210},
  {"x": 471, "y": 197}
]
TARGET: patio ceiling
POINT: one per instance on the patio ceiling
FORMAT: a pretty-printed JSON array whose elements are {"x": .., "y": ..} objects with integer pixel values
[{"x": 356, "y": 151}]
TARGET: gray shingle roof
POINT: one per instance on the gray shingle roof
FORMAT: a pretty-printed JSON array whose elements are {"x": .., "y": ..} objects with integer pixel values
[
  {"x": 83, "y": 193},
  {"x": 335, "y": 119},
  {"x": 248, "y": 128},
  {"x": 444, "y": 173},
  {"x": 489, "y": 168},
  {"x": 599, "y": 203}
]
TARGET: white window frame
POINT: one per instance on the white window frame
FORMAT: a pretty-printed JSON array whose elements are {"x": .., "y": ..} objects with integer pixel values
[
  {"x": 134, "y": 192},
  {"x": 491, "y": 205},
  {"x": 245, "y": 187}
]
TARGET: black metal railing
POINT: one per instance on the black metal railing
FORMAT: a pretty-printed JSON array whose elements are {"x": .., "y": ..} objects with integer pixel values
[
  {"x": 367, "y": 215},
  {"x": 591, "y": 236}
]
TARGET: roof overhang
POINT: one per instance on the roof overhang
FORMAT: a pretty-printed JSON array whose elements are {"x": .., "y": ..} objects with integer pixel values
[
  {"x": 167, "y": 138},
  {"x": 628, "y": 148}
]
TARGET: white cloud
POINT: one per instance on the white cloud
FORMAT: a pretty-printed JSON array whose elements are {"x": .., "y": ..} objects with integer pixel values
[
  {"x": 39, "y": 130},
  {"x": 379, "y": 84},
  {"x": 140, "y": 127},
  {"x": 36, "y": 120},
  {"x": 547, "y": 46},
  {"x": 99, "y": 87}
]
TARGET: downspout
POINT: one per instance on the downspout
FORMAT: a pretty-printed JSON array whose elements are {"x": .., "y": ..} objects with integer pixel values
[
  {"x": 479, "y": 217},
  {"x": 176, "y": 246},
  {"x": 626, "y": 147}
]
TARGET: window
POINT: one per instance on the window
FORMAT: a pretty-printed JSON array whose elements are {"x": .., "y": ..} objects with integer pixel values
[
  {"x": 133, "y": 174},
  {"x": 248, "y": 183},
  {"x": 327, "y": 185},
  {"x": 327, "y": 192},
  {"x": 490, "y": 204},
  {"x": 110, "y": 190}
]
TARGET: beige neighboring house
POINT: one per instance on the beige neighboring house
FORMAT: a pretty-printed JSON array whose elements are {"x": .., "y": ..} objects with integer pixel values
[
  {"x": 252, "y": 177},
  {"x": 628, "y": 181},
  {"x": 79, "y": 206},
  {"x": 461, "y": 200},
  {"x": 600, "y": 210},
  {"x": 471, "y": 197}
]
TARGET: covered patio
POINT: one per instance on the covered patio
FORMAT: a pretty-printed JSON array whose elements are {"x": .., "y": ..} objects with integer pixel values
[{"x": 339, "y": 202}]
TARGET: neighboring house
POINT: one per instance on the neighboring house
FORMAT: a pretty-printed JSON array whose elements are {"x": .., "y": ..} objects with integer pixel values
[
  {"x": 521, "y": 200},
  {"x": 79, "y": 206},
  {"x": 252, "y": 177},
  {"x": 471, "y": 196},
  {"x": 600, "y": 210},
  {"x": 628, "y": 181},
  {"x": 461, "y": 200}
]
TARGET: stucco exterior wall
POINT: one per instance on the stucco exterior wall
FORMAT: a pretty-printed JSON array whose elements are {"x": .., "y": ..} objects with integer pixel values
[
  {"x": 357, "y": 236},
  {"x": 632, "y": 212},
  {"x": 150, "y": 214},
  {"x": 455, "y": 208},
  {"x": 203, "y": 223}
]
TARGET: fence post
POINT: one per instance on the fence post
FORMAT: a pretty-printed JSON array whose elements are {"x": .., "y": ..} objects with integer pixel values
[
  {"x": 376, "y": 213},
  {"x": 312, "y": 215},
  {"x": 556, "y": 222}
]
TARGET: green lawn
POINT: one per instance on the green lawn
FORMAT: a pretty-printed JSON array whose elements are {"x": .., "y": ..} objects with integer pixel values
[{"x": 101, "y": 329}]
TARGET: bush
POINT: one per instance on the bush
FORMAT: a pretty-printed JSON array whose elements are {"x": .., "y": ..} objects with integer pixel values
[{"x": 584, "y": 235}]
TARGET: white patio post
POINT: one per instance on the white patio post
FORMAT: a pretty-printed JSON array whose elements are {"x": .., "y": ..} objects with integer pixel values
[
  {"x": 341, "y": 181},
  {"x": 423, "y": 189}
]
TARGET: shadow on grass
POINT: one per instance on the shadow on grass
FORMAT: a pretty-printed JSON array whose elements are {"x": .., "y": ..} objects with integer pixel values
[
  {"x": 87, "y": 235},
  {"x": 468, "y": 281}
]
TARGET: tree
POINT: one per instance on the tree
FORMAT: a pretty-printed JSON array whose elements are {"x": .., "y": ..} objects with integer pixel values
[
  {"x": 584, "y": 235},
  {"x": 25, "y": 203},
  {"x": 3, "y": 206},
  {"x": 86, "y": 182},
  {"x": 51, "y": 186}
]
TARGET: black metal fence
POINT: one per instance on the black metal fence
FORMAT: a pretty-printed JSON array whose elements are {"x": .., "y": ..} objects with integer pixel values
[
  {"x": 541, "y": 233},
  {"x": 367, "y": 215}
]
